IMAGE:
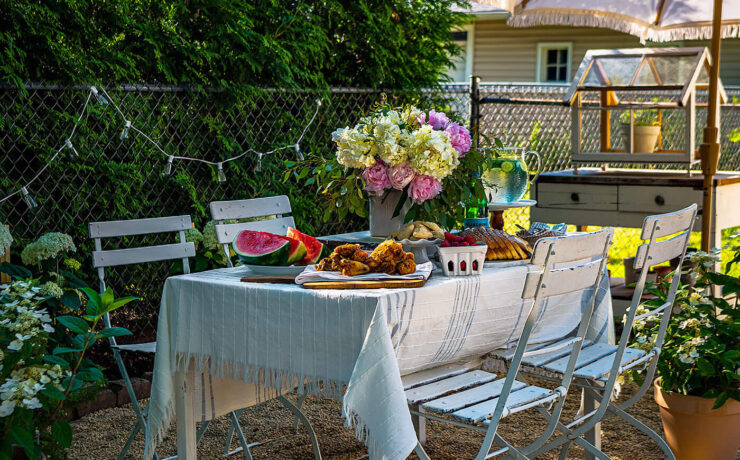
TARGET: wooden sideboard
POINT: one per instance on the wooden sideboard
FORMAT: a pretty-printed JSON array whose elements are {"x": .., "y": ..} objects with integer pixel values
[{"x": 623, "y": 197}]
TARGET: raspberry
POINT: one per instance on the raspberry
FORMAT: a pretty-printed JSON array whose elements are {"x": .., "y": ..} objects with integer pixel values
[
  {"x": 475, "y": 265},
  {"x": 463, "y": 265}
]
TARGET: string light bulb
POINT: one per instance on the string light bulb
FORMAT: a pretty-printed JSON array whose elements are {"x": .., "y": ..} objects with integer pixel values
[
  {"x": 28, "y": 199},
  {"x": 298, "y": 152},
  {"x": 221, "y": 174},
  {"x": 101, "y": 100},
  {"x": 68, "y": 144},
  {"x": 126, "y": 128},
  {"x": 259, "y": 162},
  {"x": 168, "y": 167}
]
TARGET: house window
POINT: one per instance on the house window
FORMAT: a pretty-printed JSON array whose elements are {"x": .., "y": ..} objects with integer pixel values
[
  {"x": 462, "y": 64},
  {"x": 553, "y": 62}
]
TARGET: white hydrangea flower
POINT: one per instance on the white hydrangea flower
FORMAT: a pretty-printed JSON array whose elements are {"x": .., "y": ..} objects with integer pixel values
[
  {"x": 691, "y": 322},
  {"x": 15, "y": 345},
  {"x": 353, "y": 147},
  {"x": 51, "y": 289},
  {"x": 431, "y": 153},
  {"x": 6, "y": 408},
  {"x": 49, "y": 246}
]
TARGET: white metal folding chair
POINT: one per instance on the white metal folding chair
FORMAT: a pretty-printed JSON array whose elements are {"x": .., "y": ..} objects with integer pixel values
[
  {"x": 600, "y": 365},
  {"x": 476, "y": 399},
  {"x": 272, "y": 213},
  {"x": 103, "y": 259}
]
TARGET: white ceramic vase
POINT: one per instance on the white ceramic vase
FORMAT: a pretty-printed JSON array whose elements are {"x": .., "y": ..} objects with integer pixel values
[{"x": 382, "y": 222}]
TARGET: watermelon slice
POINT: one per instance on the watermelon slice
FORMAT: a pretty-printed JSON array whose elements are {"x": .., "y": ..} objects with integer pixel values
[
  {"x": 261, "y": 248},
  {"x": 314, "y": 247},
  {"x": 297, "y": 249}
]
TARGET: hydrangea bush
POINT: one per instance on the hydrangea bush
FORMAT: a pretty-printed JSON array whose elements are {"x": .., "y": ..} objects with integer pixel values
[
  {"x": 40, "y": 380},
  {"x": 701, "y": 353}
]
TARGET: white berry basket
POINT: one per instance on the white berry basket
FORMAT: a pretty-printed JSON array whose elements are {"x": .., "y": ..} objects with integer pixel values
[{"x": 462, "y": 260}]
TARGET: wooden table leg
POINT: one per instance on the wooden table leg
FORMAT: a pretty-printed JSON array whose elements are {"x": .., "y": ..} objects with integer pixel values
[
  {"x": 593, "y": 436},
  {"x": 186, "y": 449}
]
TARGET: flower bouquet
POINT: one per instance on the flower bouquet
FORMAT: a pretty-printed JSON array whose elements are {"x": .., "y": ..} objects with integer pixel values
[{"x": 403, "y": 153}]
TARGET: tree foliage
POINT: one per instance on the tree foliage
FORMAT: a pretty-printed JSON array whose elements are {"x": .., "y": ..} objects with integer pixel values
[{"x": 220, "y": 43}]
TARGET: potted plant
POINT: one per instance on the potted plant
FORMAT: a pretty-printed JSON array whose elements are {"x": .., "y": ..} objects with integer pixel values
[
  {"x": 698, "y": 390},
  {"x": 646, "y": 128}
]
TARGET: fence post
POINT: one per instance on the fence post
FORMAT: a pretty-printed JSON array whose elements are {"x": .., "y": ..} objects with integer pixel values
[{"x": 474, "y": 110}]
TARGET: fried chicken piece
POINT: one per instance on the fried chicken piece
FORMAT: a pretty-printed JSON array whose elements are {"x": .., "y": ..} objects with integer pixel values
[
  {"x": 336, "y": 260},
  {"x": 352, "y": 252},
  {"x": 389, "y": 251},
  {"x": 324, "y": 265},
  {"x": 407, "y": 265},
  {"x": 353, "y": 267}
]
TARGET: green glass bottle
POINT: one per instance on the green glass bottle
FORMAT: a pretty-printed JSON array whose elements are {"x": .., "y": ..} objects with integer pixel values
[{"x": 476, "y": 210}]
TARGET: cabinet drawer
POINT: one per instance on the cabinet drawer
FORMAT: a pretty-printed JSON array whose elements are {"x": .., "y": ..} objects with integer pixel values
[
  {"x": 577, "y": 196},
  {"x": 642, "y": 198}
]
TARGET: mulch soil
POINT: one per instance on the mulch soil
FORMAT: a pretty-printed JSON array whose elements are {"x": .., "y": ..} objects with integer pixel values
[{"x": 102, "y": 434}]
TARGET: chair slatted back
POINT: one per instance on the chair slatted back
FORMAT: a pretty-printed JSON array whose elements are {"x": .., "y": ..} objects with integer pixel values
[
  {"x": 651, "y": 253},
  {"x": 273, "y": 208},
  {"x": 144, "y": 254},
  {"x": 562, "y": 264}
]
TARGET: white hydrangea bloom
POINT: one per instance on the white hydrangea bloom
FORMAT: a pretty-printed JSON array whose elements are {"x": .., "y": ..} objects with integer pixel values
[
  {"x": 49, "y": 246},
  {"x": 353, "y": 147},
  {"x": 6, "y": 408},
  {"x": 431, "y": 153}
]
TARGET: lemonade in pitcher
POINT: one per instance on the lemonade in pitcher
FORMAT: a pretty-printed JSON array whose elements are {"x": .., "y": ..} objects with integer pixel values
[{"x": 506, "y": 176}]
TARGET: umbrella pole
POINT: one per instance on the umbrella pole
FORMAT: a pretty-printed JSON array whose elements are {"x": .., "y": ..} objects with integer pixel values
[{"x": 709, "y": 149}]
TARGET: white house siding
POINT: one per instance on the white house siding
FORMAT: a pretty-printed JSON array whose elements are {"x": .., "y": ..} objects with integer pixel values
[{"x": 503, "y": 53}]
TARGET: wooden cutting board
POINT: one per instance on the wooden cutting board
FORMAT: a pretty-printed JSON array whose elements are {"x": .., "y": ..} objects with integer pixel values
[{"x": 365, "y": 284}]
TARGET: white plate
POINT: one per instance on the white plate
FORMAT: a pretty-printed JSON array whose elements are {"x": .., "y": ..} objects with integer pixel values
[{"x": 276, "y": 270}]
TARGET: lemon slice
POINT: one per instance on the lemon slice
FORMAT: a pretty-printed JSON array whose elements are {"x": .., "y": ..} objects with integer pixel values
[{"x": 507, "y": 166}]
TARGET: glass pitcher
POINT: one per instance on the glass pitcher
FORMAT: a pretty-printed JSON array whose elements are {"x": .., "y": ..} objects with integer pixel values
[{"x": 506, "y": 176}]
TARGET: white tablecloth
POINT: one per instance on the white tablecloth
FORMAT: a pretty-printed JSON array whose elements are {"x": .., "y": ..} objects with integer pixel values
[{"x": 246, "y": 342}]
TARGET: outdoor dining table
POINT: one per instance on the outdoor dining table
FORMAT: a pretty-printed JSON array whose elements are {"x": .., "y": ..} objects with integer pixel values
[{"x": 224, "y": 344}]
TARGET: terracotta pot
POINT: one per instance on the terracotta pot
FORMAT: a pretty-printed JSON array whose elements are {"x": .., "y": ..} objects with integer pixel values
[
  {"x": 695, "y": 431},
  {"x": 382, "y": 222},
  {"x": 645, "y": 138}
]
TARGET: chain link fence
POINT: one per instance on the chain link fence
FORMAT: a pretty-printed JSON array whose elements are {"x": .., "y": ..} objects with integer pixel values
[{"x": 122, "y": 179}]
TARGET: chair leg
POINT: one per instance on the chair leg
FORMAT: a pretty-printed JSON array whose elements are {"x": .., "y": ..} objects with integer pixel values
[
  {"x": 301, "y": 398},
  {"x": 230, "y": 433},
  {"x": 298, "y": 413},
  {"x": 140, "y": 420},
  {"x": 645, "y": 429},
  {"x": 240, "y": 434},
  {"x": 420, "y": 452}
]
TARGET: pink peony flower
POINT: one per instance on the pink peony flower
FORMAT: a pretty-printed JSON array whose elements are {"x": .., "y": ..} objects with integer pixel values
[
  {"x": 376, "y": 177},
  {"x": 438, "y": 120},
  {"x": 423, "y": 188},
  {"x": 401, "y": 174},
  {"x": 459, "y": 137}
]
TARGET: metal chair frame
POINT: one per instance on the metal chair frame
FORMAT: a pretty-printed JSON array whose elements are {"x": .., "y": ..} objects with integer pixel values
[
  {"x": 562, "y": 260},
  {"x": 275, "y": 209},
  {"x": 655, "y": 251},
  {"x": 132, "y": 256}
]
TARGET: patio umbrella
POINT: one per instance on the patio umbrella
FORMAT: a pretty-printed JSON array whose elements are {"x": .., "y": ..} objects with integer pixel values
[{"x": 656, "y": 20}]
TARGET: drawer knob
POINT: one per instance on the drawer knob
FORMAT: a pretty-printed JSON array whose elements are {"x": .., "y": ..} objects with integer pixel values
[
  {"x": 575, "y": 197},
  {"x": 659, "y": 200}
]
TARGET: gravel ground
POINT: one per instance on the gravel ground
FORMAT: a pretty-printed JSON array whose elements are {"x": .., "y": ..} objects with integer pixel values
[{"x": 102, "y": 434}]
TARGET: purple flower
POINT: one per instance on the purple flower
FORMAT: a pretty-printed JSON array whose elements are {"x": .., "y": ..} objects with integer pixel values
[
  {"x": 438, "y": 120},
  {"x": 423, "y": 188},
  {"x": 376, "y": 177},
  {"x": 459, "y": 137},
  {"x": 401, "y": 174}
]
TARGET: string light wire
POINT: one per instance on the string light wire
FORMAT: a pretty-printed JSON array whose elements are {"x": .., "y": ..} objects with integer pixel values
[{"x": 106, "y": 99}]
